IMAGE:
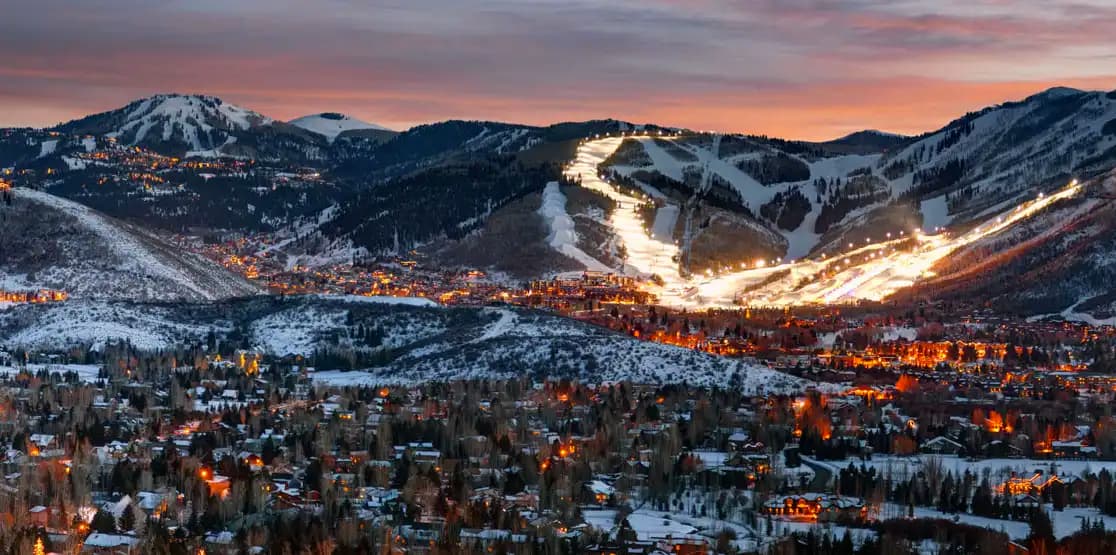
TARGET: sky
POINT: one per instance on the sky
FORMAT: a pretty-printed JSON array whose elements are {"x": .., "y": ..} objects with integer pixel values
[{"x": 790, "y": 68}]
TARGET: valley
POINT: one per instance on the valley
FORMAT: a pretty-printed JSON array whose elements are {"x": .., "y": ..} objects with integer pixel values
[
  {"x": 549, "y": 278},
  {"x": 875, "y": 303}
]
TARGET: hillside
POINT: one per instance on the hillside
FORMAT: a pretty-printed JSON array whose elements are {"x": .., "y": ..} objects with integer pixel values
[
  {"x": 52, "y": 243},
  {"x": 388, "y": 340},
  {"x": 816, "y": 197},
  {"x": 1061, "y": 263}
]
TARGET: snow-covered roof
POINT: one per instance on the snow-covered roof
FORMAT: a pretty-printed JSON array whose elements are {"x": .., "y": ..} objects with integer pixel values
[{"x": 98, "y": 539}]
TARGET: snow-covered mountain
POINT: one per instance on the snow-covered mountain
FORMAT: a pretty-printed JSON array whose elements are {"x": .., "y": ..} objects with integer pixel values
[
  {"x": 724, "y": 200},
  {"x": 332, "y": 124},
  {"x": 821, "y": 196},
  {"x": 1060, "y": 263},
  {"x": 200, "y": 126},
  {"x": 197, "y": 123},
  {"x": 52, "y": 243}
]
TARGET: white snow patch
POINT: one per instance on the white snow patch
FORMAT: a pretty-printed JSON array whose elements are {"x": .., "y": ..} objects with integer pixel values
[
  {"x": 47, "y": 148},
  {"x": 331, "y": 127},
  {"x": 563, "y": 236},
  {"x": 935, "y": 213}
]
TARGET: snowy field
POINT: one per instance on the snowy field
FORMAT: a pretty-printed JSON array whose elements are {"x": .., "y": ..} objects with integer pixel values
[{"x": 86, "y": 372}]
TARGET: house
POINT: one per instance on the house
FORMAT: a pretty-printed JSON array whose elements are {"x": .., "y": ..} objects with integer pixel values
[
  {"x": 817, "y": 507},
  {"x": 489, "y": 540},
  {"x": 107, "y": 544},
  {"x": 1073, "y": 450},
  {"x": 40, "y": 515},
  {"x": 155, "y": 504},
  {"x": 38, "y": 443},
  {"x": 942, "y": 445},
  {"x": 598, "y": 492}
]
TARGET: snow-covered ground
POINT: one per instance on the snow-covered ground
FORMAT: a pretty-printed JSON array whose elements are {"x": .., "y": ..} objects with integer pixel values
[
  {"x": 904, "y": 467},
  {"x": 105, "y": 258},
  {"x": 47, "y": 148},
  {"x": 380, "y": 299},
  {"x": 935, "y": 213},
  {"x": 562, "y": 236},
  {"x": 1066, "y": 522},
  {"x": 86, "y": 372},
  {"x": 92, "y": 324},
  {"x": 509, "y": 342}
]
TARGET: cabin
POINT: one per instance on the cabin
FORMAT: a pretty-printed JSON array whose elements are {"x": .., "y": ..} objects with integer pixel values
[
  {"x": 817, "y": 507},
  {"x": 942, "y": 445},
  {"x": 99, "y": 543}
]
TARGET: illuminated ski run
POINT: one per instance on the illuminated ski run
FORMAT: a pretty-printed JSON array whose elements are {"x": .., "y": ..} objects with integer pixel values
[{"x": 871, "y": 272}]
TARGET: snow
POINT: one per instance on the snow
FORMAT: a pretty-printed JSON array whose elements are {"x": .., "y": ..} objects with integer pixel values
[
  {"x": 343, "y": 378},
  {"x": 563, "y": 237},
  {"x": 89, "y": 144},
  {"x": 665, "y": 220},
  {"x": 86, "y": 372},
  {"x": 711, "y": 459},
  {"x": 331, "y": 127},
  {"x": 213, "y": 152},
  {"x": 109, "y": 541},
  {"x": 601, "y": 519},
  {"x": 894, "y": 333},
  {"x": 152, "y": 272},
  {"x": 96, "y": 323},
  {"x": 295, "y": 331},
  {"x": 999, "y": 469},
  {"x": 501, "y": 326},
  {"x": 935, "y": 213},
  {"x": 15, "y": 282},
  {"x": 1072, "y": 314},
  {"x": 380, "y": 299},
  {"x": 650, "y": 526},
  {"x": 195, "y": 117},
  {"x": 645, "y": 255},
  {"x": 504, "y": 345},
  {"x": 47, "y": 148},
  {"x": 75, "y": 163},
  {"x": 1066, "y": 522}
]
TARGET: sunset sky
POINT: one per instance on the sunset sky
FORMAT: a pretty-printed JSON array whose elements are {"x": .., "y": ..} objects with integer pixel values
[{"x": 790, "y": 68}]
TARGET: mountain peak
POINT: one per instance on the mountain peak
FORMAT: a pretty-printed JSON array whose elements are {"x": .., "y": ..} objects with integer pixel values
[
  {"x": 332, "y": 124},
  {"x": 1055, "y": 92},
  {"x": 200, "y": 108},
  {"x": 868, "y": 140},
  {"x": 176, "y": 122}
]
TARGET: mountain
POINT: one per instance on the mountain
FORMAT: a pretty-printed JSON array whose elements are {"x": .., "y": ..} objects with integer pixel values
[
  {"x": 1060, "y": 263},
  {"x": 56, "y": 244},
  {"x": 864, "y": 142},
  {"x": 459, "y": 191},
  {"x": 199, "y": 126},
  {"x": 196, "y": 123},
  {"x": 332, "y": 125},
  {"x": 792, "y": 199}
]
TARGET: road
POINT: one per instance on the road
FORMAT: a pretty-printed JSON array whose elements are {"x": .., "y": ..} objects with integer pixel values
[{"x": 823, "y": 475}]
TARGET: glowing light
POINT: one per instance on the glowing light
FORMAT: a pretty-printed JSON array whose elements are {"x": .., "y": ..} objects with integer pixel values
[{"x": 872, "y": 271}]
